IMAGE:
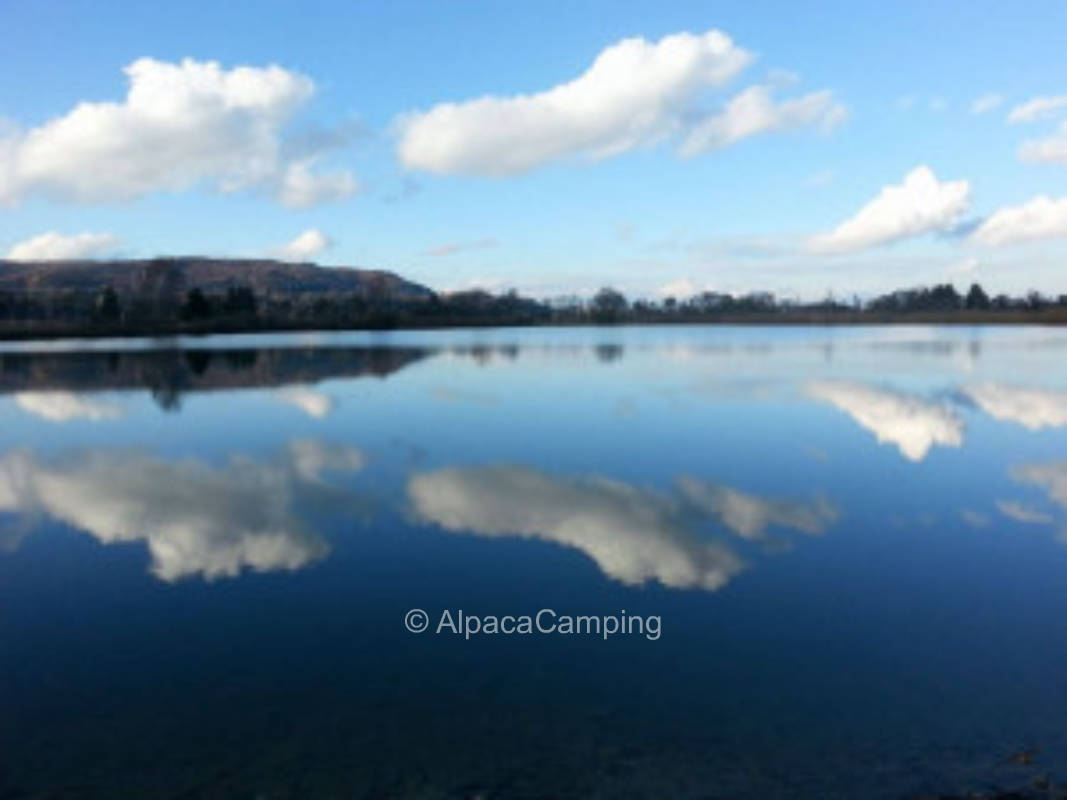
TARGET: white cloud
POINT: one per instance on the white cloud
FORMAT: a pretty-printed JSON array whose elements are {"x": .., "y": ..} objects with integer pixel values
[
  {"x": 912, "y": 424},
  {"x": 633, "y": 534},
  {"x": 986, "y": 103},
  {"x": 65, "y": 406},
  {"x": 55, "y": 246},
  {"x": 306, "y": 246},
  {"x": 1050, "y": 150},
  {"x": 1021, "y": 513},
  {"x": 921, "y": 204},
  {"x": 1032, "y": 408},
  {"x": 302, "y": 188},
  {"x": 180, "y": 126},
  {"x": 195, "y": 518},
  {"x": 754, "y": 111},
  {"x": 1037, "y": 108},
  {"x": 636, "y": 92},
  {"x": 315, "y": 404},
  {"x": 1040, "y": 218}
]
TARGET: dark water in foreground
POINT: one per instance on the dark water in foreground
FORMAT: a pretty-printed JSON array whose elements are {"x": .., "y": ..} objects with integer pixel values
[{"x": 854, "y": 542}]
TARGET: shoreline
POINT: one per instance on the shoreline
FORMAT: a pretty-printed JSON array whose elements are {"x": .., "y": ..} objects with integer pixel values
[{"x": 1051, "y": 317}]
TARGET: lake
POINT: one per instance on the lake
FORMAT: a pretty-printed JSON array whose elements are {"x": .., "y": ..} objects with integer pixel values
[{"x": 703, "y": 562}]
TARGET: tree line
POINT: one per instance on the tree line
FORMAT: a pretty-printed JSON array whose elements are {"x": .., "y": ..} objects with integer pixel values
[
  {"x": 938, "y": 302},
  {"x": 241, "y": 308}
]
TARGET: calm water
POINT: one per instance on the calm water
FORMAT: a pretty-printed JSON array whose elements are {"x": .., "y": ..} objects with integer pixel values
[{"x": 853, "y": 539}]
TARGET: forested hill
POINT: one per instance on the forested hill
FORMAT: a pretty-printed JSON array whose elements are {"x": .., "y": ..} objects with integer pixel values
[
  {"x": 177, "y": 276},
  {"x": 199, "y": 295}
]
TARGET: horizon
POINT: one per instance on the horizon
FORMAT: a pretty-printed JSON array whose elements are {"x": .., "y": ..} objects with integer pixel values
[{"x": 664, "y": 152}]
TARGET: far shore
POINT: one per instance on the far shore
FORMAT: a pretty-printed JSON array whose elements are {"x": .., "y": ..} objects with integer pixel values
[{"x": 1051, "y": 316}]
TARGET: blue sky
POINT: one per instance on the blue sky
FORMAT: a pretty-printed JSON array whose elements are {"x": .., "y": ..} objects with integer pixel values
[{"x": 820, "y": 147}]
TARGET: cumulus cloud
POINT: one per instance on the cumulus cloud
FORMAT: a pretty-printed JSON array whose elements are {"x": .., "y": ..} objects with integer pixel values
[
  {"x": 635, "y": 93},
  {"x": 911, "y": 423},
  {"x": 754, "y": 111},
  {"x": 1049, "y": 150},
  {"x": 1041, "y": 218},
  {"x": 1021, "y": 513},
  {"x": 194, "y": 518},
  {"x": 1032, "y": 408},
  {"x": 634, "y": 535},
  {"x": 301, "y": 187},
  {"x": 315, "y": 404},
  {"x": 920, "y": 204},
  {"x": 66, "y": 406},
  {"x": 1037, "y": 108},
  {"x": 986, "y": 103},
  {"x": 181, "y": 125},
  {"x": 55, "y": 246},
  {"x": 306, "y": 246}
]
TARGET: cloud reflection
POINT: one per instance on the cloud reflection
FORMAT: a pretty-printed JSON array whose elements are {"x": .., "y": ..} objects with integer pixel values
[
  {"x": 749, "y": 516},
  {"x": 634, "y": 534},
  {"x": 1052, "y": 478},
  {"x": 194, "y": 517},
  {"x": 1032, "y": 408},
  {"x": 976, "y": 519},
  {"x": 315, "y": 404},
  {"x": 911, "y": 423},
  {"x": 1012, "y": 509},
  {"x": 65, "y": 406}
]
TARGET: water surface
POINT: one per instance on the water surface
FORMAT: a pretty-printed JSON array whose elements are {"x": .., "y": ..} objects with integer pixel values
[{"x": 854, "y": 540}]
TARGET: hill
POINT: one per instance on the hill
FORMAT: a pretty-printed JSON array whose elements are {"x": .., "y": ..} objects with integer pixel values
[
  {"x": 195, "y": 294},
  {"x": 130, "y": 278}
]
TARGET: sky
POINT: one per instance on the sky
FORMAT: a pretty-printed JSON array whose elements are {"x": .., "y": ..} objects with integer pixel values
[{"x": 665, "y": 148}]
